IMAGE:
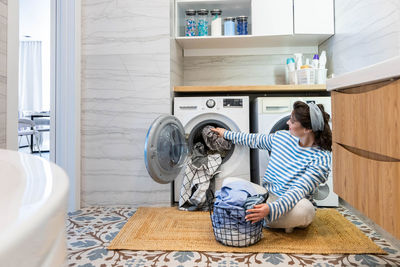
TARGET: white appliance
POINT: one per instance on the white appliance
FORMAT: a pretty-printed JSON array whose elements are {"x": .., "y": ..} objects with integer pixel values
[
  {"x": 270, "y": 114},
  {"x": 232, "y": 113}
]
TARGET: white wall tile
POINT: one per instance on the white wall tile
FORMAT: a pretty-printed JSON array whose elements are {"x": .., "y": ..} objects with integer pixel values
[
  {"x": 3, "y": 71},
  {"x": 125, "y": 86},
  {"x": 236, "y": 70},
  {"x": 366, "y": 32},
  {"x": 125, "y": 27}
]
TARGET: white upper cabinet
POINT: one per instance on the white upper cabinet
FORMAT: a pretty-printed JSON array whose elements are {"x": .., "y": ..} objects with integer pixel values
[
  {"x": 272, "y": 17},
  {"x": 274, "y": 26},
  {"x": 314, "y": 17}
]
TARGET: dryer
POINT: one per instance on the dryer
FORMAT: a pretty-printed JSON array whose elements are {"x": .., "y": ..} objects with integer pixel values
[{"x": 270, "y": 114}]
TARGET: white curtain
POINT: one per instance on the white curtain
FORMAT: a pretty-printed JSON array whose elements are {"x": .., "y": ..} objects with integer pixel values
[{"x": 30, "y": 76}]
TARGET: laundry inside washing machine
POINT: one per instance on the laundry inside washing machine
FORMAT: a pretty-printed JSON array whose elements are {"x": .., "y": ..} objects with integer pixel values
[
  {"x": 208, "y": 151},
  {"x": 212, "y": 144}
]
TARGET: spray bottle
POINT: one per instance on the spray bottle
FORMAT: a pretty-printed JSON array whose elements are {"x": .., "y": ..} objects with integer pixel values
[{"x": 315, "y": 61}]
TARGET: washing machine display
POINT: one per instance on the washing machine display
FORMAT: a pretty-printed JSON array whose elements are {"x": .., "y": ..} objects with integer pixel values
[{"x": 270, "y": 114}]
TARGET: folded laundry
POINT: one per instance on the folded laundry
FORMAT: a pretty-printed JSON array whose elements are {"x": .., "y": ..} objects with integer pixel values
[
  {"x": 254, "y": 200},
  {"x": 231, "y": 204},
  {"x": 230, "y": 219},
  {"x": 233, "y": 217},
  {"x": 234, "y": 194},
  {"x": 214, "y": 141}
]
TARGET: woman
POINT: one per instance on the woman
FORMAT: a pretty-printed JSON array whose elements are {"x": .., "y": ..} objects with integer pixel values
[{"x": 300, "y": 160}]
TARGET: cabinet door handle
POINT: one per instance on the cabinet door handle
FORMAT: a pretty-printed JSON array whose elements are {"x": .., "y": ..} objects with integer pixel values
[{"x": 368, "y": 155}]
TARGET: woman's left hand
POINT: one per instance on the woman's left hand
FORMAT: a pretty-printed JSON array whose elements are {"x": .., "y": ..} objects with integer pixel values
[{"x": 257, "y": 213}]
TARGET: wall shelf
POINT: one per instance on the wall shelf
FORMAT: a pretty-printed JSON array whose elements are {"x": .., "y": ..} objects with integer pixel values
[
  {"x": 249, "y": 44},
  {"x": 251, "y": 88},
  {"x": 273, "y": 34}
]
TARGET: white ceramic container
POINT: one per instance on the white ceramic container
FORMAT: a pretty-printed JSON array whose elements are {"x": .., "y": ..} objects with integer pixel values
[{"x": 33, "y": 205}]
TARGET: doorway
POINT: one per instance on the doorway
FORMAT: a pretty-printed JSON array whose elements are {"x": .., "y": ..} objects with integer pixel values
[
  {"x": 34, "y": 80},
  {"x": 65, "y": 86}
]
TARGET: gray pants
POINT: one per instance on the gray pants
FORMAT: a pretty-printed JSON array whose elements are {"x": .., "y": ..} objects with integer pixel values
[{"x": 300, "y": 216}]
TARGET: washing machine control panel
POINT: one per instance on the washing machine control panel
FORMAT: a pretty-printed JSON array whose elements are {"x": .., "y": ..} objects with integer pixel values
[
  {"x": 233, "y": 102},
  {"x": 210, "y": 103}
]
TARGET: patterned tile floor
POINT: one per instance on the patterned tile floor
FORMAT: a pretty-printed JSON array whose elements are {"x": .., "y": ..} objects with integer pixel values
[{"x": 90, "y": 231}]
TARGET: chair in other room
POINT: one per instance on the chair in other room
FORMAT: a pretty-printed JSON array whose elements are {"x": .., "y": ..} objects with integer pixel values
[
  {"x": 27, "y": 128},
  {"x": 42, "y": 125}
]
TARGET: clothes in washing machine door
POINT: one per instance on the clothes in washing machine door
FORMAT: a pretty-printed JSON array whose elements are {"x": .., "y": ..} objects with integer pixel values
[{"x": 165, "y": 149}]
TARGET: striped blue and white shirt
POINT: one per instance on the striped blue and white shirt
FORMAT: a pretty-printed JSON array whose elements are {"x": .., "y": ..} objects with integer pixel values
[{"x": 293, "y": 172}]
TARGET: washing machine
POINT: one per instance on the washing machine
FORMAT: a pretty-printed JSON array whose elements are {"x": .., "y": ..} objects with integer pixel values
[
  {"x": 170, "y": 139},
  {"x": 270, "y": 114}
]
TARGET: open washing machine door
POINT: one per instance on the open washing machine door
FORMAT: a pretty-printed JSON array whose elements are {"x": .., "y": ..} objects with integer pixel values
[{"x": 165, "y": 149}]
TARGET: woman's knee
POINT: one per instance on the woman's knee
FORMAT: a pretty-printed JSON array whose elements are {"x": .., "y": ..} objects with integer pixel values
[
  {"x": 305, "y": 212},
  {"x": 301, "y": 215}
]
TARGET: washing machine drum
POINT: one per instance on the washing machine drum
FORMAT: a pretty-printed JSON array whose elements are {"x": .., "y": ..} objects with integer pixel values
[
  {"x": 321, "y": 192},
  {"x": 196, "y": 136},
  {"x": 165, "y": 149},
  {"x": 281, "y": 125}
]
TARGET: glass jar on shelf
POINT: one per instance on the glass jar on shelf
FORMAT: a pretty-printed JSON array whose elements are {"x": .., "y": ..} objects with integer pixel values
[
  {"x": 229, "y": 26},
  {"x": 216, "y": 26},
  {"x": 190, "y": 22},
  {"x": 202, "y": 22},
  {"x": 242, "y": 25}
]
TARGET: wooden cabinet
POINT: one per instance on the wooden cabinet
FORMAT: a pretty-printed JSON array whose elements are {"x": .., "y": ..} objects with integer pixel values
[
  {"x": 370, "y": 184},
  {"x": 366, "y": 150},
  {"x": 369, "y": 117}
]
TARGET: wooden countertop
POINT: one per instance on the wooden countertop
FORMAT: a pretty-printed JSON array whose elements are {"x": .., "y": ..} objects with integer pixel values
[
  {"x": 251, "y": 88},
  {"x": 381, "y": 71}
]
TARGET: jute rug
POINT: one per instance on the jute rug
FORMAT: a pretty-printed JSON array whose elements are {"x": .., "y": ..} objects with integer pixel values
[{"x": 170, "y": 229}]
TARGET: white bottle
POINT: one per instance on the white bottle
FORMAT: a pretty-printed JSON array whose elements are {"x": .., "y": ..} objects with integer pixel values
[
  {"x": 322, "y": 71},
  {"x": 299, "y": 60},
  {"x": 315, "y": 61},
  {"x": 216, "y": 22},
  {"x": 322, "y": 60},
  {"x": 290, "y": 71},
  {"x": 308, "y": 63}
]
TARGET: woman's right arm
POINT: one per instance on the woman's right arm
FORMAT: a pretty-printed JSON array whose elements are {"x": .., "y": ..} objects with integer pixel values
[{"x": 261, "y": 141}]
